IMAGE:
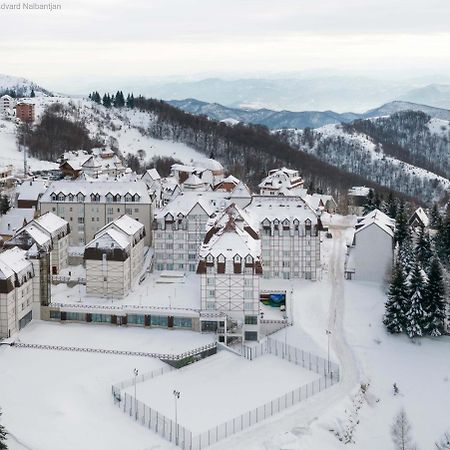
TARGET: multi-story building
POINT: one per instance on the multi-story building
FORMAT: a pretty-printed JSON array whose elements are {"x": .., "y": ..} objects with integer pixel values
[
  {"x": 290, "y": 237},
  {"x": 179, "y": 228},
  {"x": 7, "y": 104},
  {"x": 357, "y": 198},
  {"x": 25, "y": 112},
  {"x": 115, "y": 258},
  {"x": 282, "y": 182},
  {"x": 89, "y": 205},
  {"x": 230, "y": 270},
  {"x": 16, "y": 291},
  {"x": 209, "y": 171}
]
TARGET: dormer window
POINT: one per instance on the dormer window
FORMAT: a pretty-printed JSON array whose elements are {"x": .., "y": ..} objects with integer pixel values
[
  {"x": 237, "y": 258},
  {"x": 308, "y": 227},
  {"x": 209, "y": 258},
  {"x": 117, "y": 198},
  {"x": 71, "y": 197},
  {"x": 61, "y": 197},
  {"x": 221, "y": 259},
  {"x": 80, "y": 197},
  {"x": 128, "y": 197},
  {"x": 109, "y": 197},
  {"x": 54, "y": 197},
  {"x": 136, "y": 198},
  {"x": 286, "y": 225}
]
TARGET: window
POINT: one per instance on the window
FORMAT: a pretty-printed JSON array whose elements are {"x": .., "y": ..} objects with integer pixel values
[
  {"x": 248, "y": 306},
  {"x": 159, "y": 321},
  {"x": 136, "y": 319},
  {"x": 80, "y": 219},
  {"x": 251, "y": 336},
  {"x": 55, "y": 314},
  {"x": 80, "y": 317},
  {"x": 251, "y": 320},
  {"x": 182, "y": 322},
  {"x": 211, "y": 293},
  {"x": 105, "y": 318}
]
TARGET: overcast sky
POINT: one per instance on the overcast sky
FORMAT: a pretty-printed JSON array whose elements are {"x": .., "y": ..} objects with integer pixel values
[{"x": 98, "y": 39}]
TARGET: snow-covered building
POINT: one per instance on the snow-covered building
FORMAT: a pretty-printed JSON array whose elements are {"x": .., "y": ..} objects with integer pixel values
[
  {"x": 25, "y": 111},
  {"x": 16, "y": 291},
  {"x": 6, "y": 174},
  {"x": 371, "y": 252},
  {"x": 321, "y": 202},
  {"x": 7, "y": 105},
  {"x": 13, "y": 220},
  {"x": 115, "y": 258},
  {"x": 179, "y": 228},
  {"x": 230, "y": 270},
  {"x": 282, "y": 182},
  {"x": 209, "y": 171},
  {"x": 290, "y": 237},
  {"x": 357, "y": 198},
  {"x": 419, "y": 219},
  {"x": 29, "y": 193},
  {"x": 89, "y": 205}
]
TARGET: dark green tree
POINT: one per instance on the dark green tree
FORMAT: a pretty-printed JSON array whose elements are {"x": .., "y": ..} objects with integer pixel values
[
  {"x": 106, "y": 101},
  {"x": 397, "y": 303},
  {"x": 435, "y": 217},
  {"x": 391, "y": 206},
  {"x": 442, "y": 241},
  {"x": 130, "y": 101},
  {"x": 415, "y": 316},
  {"x": 33, "y": 94},
  {"x": 434, "y": 300},
  {"x": 402, "y": 229},
  {"x": 423, "y": 248},
  {"x": 369, "y": 205},
  {"x": 5, "y": 205}
]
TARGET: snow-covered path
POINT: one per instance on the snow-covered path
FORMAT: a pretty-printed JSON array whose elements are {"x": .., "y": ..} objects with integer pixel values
[{"x": 293, "y": 429}]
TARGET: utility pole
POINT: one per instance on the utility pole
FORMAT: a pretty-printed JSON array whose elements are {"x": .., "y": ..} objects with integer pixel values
[
  {"x": 328, "y": 351},
  {"x": 176, "y": 395},
  {"x": 136, "y": 373}
]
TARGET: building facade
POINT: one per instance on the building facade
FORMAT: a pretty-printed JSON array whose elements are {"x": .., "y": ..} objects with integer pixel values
[{"x": 90, "y": 205}]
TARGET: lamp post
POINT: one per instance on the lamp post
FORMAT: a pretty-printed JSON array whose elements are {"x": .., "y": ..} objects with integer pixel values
[
  {"x": 136, "y": 373},
  {"x": 176, "y": 395},
  {"x": 328, "y": 350},
  {"x": 285, "y": 317}
]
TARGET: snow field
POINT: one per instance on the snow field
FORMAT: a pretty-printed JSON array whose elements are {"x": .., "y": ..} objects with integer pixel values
[
  {"x": 220, "y": 388},
  {"x": 112, "y": 337}
]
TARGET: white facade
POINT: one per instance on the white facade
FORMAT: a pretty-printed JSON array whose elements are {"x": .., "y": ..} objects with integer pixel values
[
  {"x": 89, "y": 205},
  {"x": 16, "y": 291},
  {"x": 282, "y": 182},
  {"x": 290, "y": 237},
  {"x": 7, "y": 105}
]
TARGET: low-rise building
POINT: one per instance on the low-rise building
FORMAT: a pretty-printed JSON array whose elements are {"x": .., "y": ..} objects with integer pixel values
[
  {"x": 419, "y": 219},
  {"x": 114, "y": 258},
  {"x": 29, "y": 193},
  {"x": 282, "y": 182},
  {"x": 16, "y": 291},
  {"x": 357, "y": 199}
]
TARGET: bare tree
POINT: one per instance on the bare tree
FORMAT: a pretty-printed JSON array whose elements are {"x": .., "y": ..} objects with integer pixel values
[{"x": 401, "y": 432}]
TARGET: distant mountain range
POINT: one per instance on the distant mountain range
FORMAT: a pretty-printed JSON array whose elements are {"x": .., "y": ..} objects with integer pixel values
[
  {"x": 304, "y": 119},
  {"x": 21, "y": 86}
]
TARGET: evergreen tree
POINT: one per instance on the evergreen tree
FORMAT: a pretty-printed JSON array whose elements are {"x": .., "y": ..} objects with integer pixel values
[
  {"x": 4, "y": 204},
  {"x": 406, "y": 251},
  {"x": 33, "y": 94},
  {"x": 3, "y": 434},
  {"x": 402, "y": 229},
  {"x": 397, "y": 303},
  {"x": 130, "y": 101},
  {"x": 119, "y": 101},
  {"x": 423, "y": 248},
  {"x": 415, "y": 316},
  {"x": 369, "y": 205},
  {"x": 442, "y": 241},
  {"x": 435, "y": 217},
  {"x": 391, "y": 206},
  {"x": 106, "y": 101},
  {"x": 434, "y": 301}
]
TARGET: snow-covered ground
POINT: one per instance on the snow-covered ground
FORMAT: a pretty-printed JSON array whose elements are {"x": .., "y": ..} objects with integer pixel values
[
  {"x": 111, "y": 337},
  {"x": 221, "y": 387}
]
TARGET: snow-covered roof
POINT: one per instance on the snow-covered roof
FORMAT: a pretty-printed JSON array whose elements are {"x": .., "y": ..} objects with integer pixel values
[
  {"x": 5, "y": 271},
  {"x": 209, "y": 164},
  {"x": 127, "y": 224},
  {"x": 15, "y": 219},
  {"x": 102, "y": 188},
  {"x": 153, "y": 173},
  {"x": 378, "y": 218},
  {"x": 281, "y": 208},
  {"x": 42, "y": 238},
  {"x": 241, "y": 190},
  {"x": 16, "y": 259},
  {"x": 193, "y": 180},
  {"x": 421, "y": 215},
  {"x": 241, "y": 217},
  {"x": 281, "y": 179},
  {"x": 211, "y": 202},
  {"x": 51, "y": 222},
  {"x": 108, "y": 239},
  {"x": 314, "y": 200},
  {"x": 31, "y": 190},
  {"x": 359, "y": 191}
]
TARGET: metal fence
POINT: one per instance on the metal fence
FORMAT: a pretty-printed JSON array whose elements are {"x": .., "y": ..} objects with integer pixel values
[
  {"x": 186, "y": 439},
  {"x": 307, "y": 360}
]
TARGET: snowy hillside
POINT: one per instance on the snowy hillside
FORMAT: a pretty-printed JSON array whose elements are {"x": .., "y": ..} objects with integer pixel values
[
  {"x": 21, "y": 86},
  {"x": 358, "y": 152},
  {"x": 125, "y": 130}
]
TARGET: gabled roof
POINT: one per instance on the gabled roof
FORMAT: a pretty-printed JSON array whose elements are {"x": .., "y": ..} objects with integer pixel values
[
  {"x": 51, "y": 222},
  {"x": 15, "y": 219},
  {"x": 108, "y": 239},
  {"x": 421, "y": 215},
  {"x": 124, "y": 223}
]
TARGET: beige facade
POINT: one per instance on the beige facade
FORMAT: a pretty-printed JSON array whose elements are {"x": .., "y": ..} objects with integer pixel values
[{"x": 89, "y": 206}]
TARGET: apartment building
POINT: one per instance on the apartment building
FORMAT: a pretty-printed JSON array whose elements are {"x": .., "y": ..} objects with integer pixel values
[
  {"x": 290, "y": 236},
  {"x": 179, "y": 228},
  {"x": 90, "y": 205},
  {"x": 25, "y": 112},
  {"x": 115, "y": 258},
  {"x": 282, "y": 182},
  {"x": 16, "y": 291},
  {"x": 230, "y": 270},
  {"x": 7, "y": 104}
]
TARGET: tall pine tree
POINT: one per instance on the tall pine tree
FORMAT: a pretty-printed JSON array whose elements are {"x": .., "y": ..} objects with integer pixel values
[
  {"x": 434, "y": 301},
  {"x": 397, "y": 303},
  {"x": 423, "y": 248},
  {"x": 415, "y": 316}
]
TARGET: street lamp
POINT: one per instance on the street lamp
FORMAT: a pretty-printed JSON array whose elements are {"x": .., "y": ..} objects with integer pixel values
[
  {"x": 176, "y": 395},
  {"x": 328, "y": 352},
  {"x": 136, "y": 373}
]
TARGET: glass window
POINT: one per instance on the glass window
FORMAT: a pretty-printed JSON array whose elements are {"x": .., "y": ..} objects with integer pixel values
[
  {"x": 137, "y": 319},
  {"x": 80, "y": 317},
  {"x": 55, "y": 314},
  {"x": 251, "y": 336},
  {"x": 159, "y": 321},
  {"x": 101, "y": 318},
  {"x": 182, "y": 322},
  {"x": 251, "y": 320}
]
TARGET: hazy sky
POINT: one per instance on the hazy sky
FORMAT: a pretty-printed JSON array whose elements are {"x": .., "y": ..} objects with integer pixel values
[{"x": 96, "y": 39}]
